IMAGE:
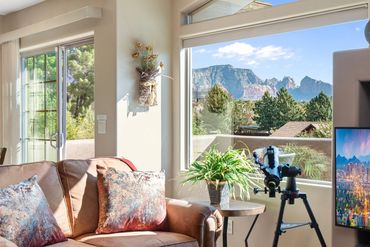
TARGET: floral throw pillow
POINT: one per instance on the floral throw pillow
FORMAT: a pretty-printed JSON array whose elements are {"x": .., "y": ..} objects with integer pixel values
[
  {"x": 130, "y": 201},
  {"x": 25, "y": 216}
]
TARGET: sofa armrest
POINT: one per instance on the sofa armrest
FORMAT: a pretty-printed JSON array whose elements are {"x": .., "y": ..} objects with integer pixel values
[
  {"x": 6, "y": 243},
  {"x": 202, "y": 222}
]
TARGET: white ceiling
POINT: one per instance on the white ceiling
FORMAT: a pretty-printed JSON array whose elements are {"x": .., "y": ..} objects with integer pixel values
[{"x": 8, "y": 6}]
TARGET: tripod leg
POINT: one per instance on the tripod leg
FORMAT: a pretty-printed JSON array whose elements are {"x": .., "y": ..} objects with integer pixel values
[
  {"x": 279, "y": 222},
  {"x": 313, "y": 221},
  {"x": 224, "y": 232}
]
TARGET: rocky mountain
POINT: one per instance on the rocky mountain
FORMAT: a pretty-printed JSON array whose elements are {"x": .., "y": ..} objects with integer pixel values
[
  {"x": 342, "y": 161},
  {"x": 245, "y": 84}
]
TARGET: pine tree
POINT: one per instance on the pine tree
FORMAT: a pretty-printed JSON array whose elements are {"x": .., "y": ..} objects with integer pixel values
[
  {"x": 266, "y": 112},
  {"x": 217, "y": 99},
  {"x": 287, "y": 108},
  {"x": 319, "y": 108},
  {"x": 272, "y": 113}
]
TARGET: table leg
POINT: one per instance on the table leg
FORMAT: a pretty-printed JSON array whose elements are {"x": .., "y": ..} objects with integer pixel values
[
  {"x": 224, "y": 232},
  {"x": 250, "y": 230}
]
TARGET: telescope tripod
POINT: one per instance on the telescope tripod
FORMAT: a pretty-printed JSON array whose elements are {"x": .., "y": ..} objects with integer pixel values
[{"x": 283, "y": 227}]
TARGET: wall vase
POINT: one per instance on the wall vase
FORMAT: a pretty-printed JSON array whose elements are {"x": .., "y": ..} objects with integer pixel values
[{"x": 148, "y": 93}]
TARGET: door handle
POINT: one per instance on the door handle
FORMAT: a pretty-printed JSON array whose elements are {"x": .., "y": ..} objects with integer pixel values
[
  {"x": 51, "y": 140},
  {"x": 61, "y": 140}
]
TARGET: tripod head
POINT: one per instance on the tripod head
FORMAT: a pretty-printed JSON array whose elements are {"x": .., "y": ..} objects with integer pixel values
[{"x": 274, "y": 172}]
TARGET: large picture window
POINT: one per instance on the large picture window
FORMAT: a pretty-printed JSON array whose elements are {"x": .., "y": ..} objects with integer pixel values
[{"x": 270, "y": 90}]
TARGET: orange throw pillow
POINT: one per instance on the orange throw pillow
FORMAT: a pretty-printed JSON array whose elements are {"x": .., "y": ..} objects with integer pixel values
[{"x": 130, "y": 201}]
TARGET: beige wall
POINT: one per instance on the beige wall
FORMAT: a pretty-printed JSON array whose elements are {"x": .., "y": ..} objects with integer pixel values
[
  {"x": 144, "y": 133},
  {"x": 351, "y": 108}
]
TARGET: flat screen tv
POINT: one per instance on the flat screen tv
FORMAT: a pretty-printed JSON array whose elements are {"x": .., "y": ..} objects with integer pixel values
[{"x": 352, "y": 181}]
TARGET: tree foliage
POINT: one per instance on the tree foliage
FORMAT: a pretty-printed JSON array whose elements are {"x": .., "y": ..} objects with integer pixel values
[
  {"x": 266, "y": 112},
  {"x": 80, "y": 79},
  {"x": 218, "y": 99},
  {"x": 242, "y": 114},
  {"x": 319, "y": 108},
  {"x": 314, "y": 164},
  {"x": 274, "y": 112}
]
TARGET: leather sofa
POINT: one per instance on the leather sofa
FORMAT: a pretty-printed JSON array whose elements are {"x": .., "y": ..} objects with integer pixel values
[{"x": 71, "y": 191}]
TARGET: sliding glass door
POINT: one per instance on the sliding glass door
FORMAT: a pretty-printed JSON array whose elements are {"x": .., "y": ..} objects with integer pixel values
[{"x": 58, "y": 103}]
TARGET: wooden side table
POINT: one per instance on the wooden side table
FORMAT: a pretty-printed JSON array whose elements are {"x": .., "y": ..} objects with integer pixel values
[{"x": 237, "y": 209}]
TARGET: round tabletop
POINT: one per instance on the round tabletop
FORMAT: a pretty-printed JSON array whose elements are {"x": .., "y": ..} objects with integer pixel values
[{"x": 237, "y": 208}]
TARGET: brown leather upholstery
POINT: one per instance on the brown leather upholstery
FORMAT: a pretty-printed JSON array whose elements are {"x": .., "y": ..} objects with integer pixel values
[
  {"x": 79, "y": 182},
  {"x": 70, "y": 243},
  {"x": 204, "y": 223},
  {"x": 188, "y": 224},
  {"x": 142, "y": 239},
  {"x": 6, "y": 243},
  {"x": 50, "y": 184}
]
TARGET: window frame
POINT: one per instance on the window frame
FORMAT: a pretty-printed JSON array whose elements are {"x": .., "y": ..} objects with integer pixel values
[{"x": 222, "y": 29}]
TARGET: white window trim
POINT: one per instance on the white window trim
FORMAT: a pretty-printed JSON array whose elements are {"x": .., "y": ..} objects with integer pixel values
[{"x": 284, "y": 18}]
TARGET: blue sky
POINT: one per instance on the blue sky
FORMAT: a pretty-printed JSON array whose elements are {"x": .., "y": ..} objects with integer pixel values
[
  {"x": 296, "y": 54},
  {"x": 350, "y": 142}
]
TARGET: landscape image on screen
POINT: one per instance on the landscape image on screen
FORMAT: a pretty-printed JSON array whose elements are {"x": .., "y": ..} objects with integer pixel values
[{"x": 353, "y": 177}]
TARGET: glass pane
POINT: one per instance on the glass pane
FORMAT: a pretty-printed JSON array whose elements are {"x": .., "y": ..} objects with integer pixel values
[
  {"x": 51, "y": 125},
  {"x": 40, "y": 108},
  {"x": 278, "y": 87},
  {"x": 35, "y": 99},
  {"x": 51, "y": 69},
  {"x": 35, "y": 150},
  {"x": 51, "y": 95},
  {"x": 40, "y": 68},
  {"x": 80, "y": 102},
  {"x": 36, "y": 125},
  {"x": 29, "y": 69},
  {"x": 219, "y": 8}
]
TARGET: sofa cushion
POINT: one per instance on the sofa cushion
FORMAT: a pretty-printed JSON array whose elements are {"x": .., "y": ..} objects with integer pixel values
[
  {"x": 79, "y": 178},
  {"x": 49, "y": 182},
  {"x": 130, "y": 201},
  {"x": 6, "y": 243},
  {"x": 70, "y": 243},
  {"x": 139, "y": 239},
  {"x": 25, "y": 216}
]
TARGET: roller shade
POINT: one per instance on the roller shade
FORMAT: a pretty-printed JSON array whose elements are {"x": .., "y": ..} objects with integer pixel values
[{"x": 328, "y": 16}]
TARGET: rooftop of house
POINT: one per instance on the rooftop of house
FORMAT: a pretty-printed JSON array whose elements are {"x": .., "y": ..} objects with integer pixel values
[{"x": 294, "y": 129}]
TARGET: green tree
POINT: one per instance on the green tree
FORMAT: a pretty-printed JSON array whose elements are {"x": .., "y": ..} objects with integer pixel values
[
  {"x": 272, "y": 113},
  {"x": 242, "y": 114},
  {"x": 319, "y": 108},
  {"x": 266, "y": 112},
  {"x": 288, "y": 108},
  {"x": 218, "y": 99},
  {"x": 80, "y": 79}
]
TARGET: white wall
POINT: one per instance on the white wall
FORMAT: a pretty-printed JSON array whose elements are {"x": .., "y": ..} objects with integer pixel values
[{"x": 143, "y": 134}]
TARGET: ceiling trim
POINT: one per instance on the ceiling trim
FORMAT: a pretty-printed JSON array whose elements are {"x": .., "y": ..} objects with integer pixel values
[{"x": 54, "y": 22}]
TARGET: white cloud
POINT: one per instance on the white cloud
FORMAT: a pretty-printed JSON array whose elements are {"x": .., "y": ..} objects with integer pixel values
[
  {"x": 253, "y": 55},
  {"x": 236, "y": 49},
  {"x": 202, "y": 50}
]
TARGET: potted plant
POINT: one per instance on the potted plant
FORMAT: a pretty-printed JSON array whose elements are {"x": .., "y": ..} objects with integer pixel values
[
  {"x": 223, "y": 172},
  {"x": 148, "y": 68}
]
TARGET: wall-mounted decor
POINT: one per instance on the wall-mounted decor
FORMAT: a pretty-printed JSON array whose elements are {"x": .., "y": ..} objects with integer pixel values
[{"x": 148, "y": 68}]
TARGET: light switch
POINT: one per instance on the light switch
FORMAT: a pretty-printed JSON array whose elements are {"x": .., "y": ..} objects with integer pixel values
[{"x": 102, "y": 123}]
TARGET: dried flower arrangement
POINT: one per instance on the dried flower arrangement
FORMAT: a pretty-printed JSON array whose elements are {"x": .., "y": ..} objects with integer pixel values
[{"x": 148, "y": 68}]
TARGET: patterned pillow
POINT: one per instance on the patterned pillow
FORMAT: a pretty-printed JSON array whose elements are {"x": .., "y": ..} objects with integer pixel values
[
  {"x": 25, "y": 216},
  {"x": 130, "y": 201}
]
